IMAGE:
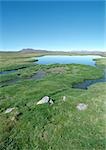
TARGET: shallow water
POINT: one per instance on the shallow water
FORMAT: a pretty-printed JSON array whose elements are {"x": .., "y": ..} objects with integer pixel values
[
  {"x": 86, "y": 83},
  {"x": 62, "y": 59},
  {"x": 7, "y": 72},
  {"x": 37, "y": 76},
  {"x": 10, "y": 71}
]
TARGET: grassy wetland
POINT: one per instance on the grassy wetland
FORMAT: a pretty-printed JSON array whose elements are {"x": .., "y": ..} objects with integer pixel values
[{"x": 60, "y": 126}]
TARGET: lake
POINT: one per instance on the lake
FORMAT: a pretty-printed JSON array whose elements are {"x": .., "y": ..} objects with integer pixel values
[{"x": 62, "y": 59}]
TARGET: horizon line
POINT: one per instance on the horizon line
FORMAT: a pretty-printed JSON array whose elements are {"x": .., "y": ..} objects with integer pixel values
[{"x": 37, "y": 49}]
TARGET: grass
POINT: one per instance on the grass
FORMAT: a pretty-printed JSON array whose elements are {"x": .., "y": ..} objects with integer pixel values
[
  {"x": 57, "y": 127},
  {"x": 13, "y": 60},
  {"x": 101, "y": 62},
  {"x": 75, "y": 72}
]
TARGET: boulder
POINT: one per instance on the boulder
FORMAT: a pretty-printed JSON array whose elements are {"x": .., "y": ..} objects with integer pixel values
[
  {"x": 64, "y": 98},
  {"x": 44, "y": 100},
  {"x": 8, "y": 110},
  {"x": 51, "y": 102},
  {"x": 82, "y": 106}
]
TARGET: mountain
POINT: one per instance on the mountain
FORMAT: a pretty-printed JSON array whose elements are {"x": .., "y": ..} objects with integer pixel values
[{"x": 30, "y": 50}]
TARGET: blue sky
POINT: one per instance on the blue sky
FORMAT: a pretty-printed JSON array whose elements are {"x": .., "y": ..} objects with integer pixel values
[{"x": 62, "y": 25}]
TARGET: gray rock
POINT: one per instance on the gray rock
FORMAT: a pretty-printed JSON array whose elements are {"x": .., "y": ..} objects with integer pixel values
[
  {"x": 51, "y": 102},
  {"x": 64, "y": 98},
  {"x": 82, "y": 106},
  {"x": 44, "y": 100},
  {"x": 9, "y": 110}
]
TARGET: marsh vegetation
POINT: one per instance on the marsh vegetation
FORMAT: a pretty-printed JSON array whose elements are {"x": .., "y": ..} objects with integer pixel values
[{"x": 59, "y": 126}]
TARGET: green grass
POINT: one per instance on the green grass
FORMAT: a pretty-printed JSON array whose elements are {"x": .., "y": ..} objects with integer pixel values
[
  {"x": 101, "y": 62},
  {"x": 9, "y": 61},
  {"x": 73, "y": 72},
  {"x": 59, "y": 126}
]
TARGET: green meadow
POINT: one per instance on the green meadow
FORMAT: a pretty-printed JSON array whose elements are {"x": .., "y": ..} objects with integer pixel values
[{"x": 60, "y": 126}]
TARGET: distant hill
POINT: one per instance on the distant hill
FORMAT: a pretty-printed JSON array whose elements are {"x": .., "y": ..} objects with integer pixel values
[
  {"x": 30, "y": 50},
  {"x": 83, "y": 52}
]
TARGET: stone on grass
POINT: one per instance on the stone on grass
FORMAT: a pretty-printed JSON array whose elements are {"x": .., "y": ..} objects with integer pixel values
[
  {"x": 44, "y": 100},
  {"x": 64, "y": 98},
  {"x": 82, "y": 106},
  {"x": 8, "y": 110},
  {"x": 51, "y": 102}
]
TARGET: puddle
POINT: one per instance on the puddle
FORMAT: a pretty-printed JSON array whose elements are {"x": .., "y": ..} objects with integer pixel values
[
  {"x": 7, "y": 72},
  {"x": 11, "y": 71},
  {"x": 10, "y": 82},
  {"x": 38, "y": 76},
  {"x": 86, "y": 83}
]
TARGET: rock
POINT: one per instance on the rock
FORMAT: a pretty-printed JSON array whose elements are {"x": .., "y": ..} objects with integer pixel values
[
  {"x": 51, "y": 102},
  {"x": 64, "y": 98},
  {"x": 81, "y": 106},
  {"x": 44, "y": 100},
  {"x": 9, "y": 110}
]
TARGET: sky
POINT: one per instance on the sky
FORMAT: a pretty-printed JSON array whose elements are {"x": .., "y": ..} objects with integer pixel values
[{"x": 52, "y": 25}]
